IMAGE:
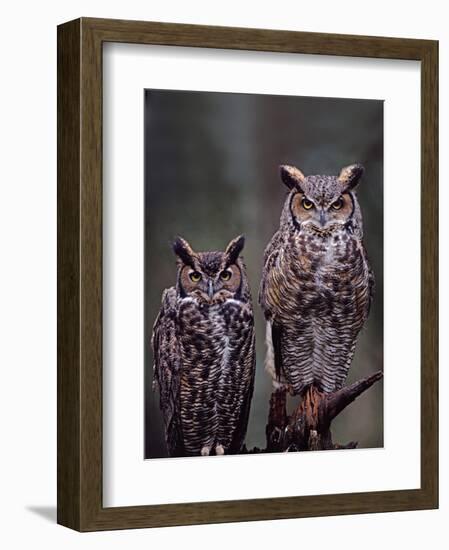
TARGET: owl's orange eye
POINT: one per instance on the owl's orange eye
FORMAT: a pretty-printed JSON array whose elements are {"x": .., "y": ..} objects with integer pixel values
[
  {"x": 337, "y": 204},
  {"x": 195, "y": 276},
  {"x": 225, "y": 275},
  {"x": 306, "y": 204}
]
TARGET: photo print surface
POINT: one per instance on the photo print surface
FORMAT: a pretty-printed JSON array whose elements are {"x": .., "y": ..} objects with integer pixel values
[{"x": 263, "y": 273}]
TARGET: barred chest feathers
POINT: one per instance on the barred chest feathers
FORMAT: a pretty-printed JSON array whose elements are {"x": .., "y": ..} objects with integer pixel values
[{"x": 312, "y": 271}]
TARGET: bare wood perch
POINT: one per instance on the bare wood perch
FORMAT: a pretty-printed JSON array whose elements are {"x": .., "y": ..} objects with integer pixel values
[{"x": 308, "y": 427}]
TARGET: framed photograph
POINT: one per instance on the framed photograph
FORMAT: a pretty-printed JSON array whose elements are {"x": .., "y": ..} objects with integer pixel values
[{"x": 247, "y": 274}]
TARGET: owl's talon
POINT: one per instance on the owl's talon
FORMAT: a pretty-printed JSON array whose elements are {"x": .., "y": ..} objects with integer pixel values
[
  {"x": 205, "y": 451},
  {"x": 219, "y": 450}
]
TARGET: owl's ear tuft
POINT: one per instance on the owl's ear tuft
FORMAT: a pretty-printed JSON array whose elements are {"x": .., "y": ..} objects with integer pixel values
[
  {"x": 234, "y": 248},
  {"x": 350, "y": 176},
  {"x": 292, "y": 177},
  {"x": 184, "y": 251}
]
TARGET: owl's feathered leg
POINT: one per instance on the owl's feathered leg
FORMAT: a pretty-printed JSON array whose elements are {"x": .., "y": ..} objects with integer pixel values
[
  {"x": 269, "y": 356},
  {"x": 219, "y": 450},
  {"x": 205, "y": 451},
  {"x": 276, "y": 334},
  {"x": 273, "y": 358}
]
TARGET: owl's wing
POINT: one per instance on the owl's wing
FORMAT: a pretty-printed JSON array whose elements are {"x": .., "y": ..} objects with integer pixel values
[
  {"x": 371, "y": 280},
  {"x": 248, "y": 356},
  {"x": 269, "y": 268},
  {"x": 268, "y": 299},
  {"x": 167, "y": 370},
  {"x": 372, "y": 286}
]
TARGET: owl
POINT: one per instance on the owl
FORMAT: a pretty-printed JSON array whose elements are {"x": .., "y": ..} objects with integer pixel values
[
  {"x": 203, "y": 347},
  {"x": 317, "y": 285}
]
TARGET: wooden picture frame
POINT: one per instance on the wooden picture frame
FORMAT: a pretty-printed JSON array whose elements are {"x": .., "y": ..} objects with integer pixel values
[{"x": 80, "y": 504}]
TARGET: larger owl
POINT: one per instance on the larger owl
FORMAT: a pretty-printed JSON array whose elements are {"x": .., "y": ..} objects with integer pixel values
[
  {"x": 204, "y": 358},
  {"x": 317, "y": 285}
]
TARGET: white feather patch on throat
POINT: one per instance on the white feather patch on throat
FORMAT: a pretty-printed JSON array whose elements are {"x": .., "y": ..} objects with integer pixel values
[
  {"x": 188, "y": 299},
  {"x": 233, "y": 301}
]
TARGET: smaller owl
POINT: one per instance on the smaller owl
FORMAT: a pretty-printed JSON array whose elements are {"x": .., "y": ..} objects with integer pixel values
[{"x": 203, "y": 348}]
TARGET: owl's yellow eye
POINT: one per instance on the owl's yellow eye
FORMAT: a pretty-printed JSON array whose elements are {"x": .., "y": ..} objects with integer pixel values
[
  {"x": 306, "y": 204},
  {"x": 195, "y": 276},
  {"x": 337, "y": 204},
  {"x": 225, "y": 275}
]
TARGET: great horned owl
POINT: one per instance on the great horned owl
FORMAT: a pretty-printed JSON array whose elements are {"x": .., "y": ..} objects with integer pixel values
[
  {"x": 317, "y": 285},
  {"x": 204, "y": 358}
]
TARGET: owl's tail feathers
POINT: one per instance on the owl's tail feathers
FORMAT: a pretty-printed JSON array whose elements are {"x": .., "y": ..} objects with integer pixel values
[{"x": 273, "y": 356}]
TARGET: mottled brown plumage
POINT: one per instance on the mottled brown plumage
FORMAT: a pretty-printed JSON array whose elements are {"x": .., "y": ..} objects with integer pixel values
[
  {"x": 204, "y": 358},
  {"x": 317, "y": 285}
]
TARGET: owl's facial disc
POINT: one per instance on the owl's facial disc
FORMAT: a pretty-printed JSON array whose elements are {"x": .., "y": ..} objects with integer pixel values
[
  {"x": 319, "y": 214},
  {"x": 210, "y": 288}
]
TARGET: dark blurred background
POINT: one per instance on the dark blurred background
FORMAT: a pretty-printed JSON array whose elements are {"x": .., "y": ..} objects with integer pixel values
[{"x": 211, "y": 173}]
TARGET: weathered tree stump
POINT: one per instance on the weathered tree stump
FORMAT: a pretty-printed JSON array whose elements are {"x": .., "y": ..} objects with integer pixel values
[{"x": 308, "y": 427}]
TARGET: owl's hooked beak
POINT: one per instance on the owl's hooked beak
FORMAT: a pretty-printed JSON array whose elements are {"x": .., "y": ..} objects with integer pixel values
[
  {"x": 323, "y": 218},
  {"x": 210, "y": 289}
]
